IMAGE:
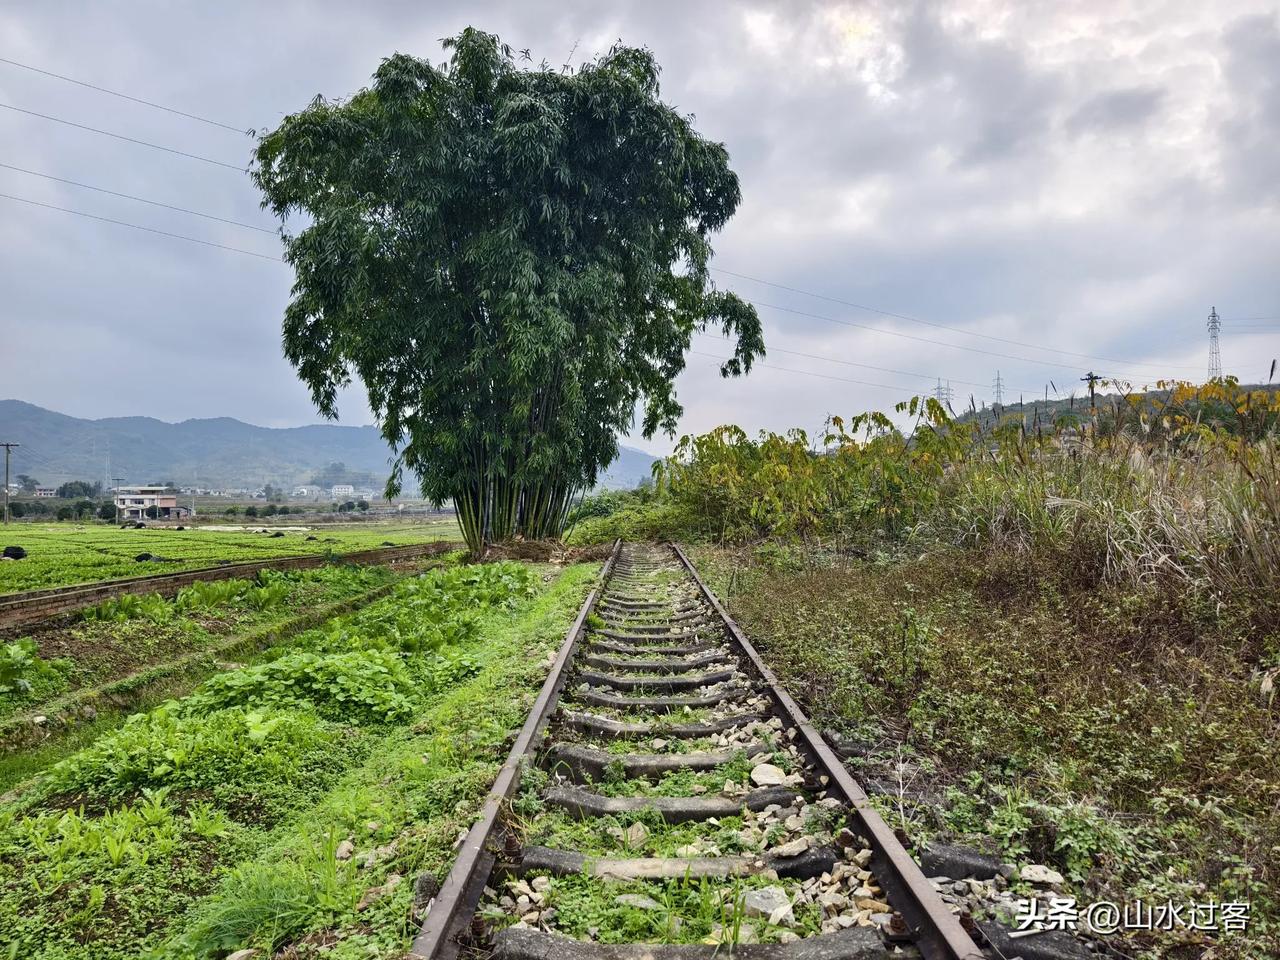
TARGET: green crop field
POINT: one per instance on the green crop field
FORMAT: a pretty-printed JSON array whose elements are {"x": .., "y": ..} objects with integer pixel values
[{"x": 61, "y": 554}]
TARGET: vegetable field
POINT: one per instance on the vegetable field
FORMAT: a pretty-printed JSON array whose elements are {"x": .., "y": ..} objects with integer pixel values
[
  {"x": 301, "y": 791},
  {"x": 60, "y": 554}
]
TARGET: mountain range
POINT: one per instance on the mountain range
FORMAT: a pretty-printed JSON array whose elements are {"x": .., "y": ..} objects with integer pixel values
[{"x": 213, "y": 453}]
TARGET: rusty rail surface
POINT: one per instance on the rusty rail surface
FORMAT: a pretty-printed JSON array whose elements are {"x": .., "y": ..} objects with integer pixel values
[
  {"x": 30, "y": 607},
  {"x": 920, "y": 916}
]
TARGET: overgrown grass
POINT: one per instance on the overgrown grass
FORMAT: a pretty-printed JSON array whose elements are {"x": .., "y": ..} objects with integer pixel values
[{"x": 1118, "y": 734}]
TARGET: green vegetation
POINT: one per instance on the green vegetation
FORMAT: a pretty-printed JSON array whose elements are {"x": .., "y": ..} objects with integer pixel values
[
  {"x": 62, "y": 555},
  {"x": 552, "y": 301},
  {"x": 1068, "y": 639},
  {"x": 137, "y": 637},
  {"x": 214, "y": 822}
]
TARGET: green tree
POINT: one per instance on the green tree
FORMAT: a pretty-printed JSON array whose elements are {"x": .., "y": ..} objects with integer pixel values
[
  {"x": 64, "y": 513},
  {"x": 270, "y": 510},
  {"x": 28, "y": 483},
  {"x": 107, "y": 510},
  {"x": 251, "y": 511},
  {"x": 513, "y": 260},
  {"x": 17, "y": 510},
  {"x": 79, "y": 488},
  {"x": 362, "y": 505}
]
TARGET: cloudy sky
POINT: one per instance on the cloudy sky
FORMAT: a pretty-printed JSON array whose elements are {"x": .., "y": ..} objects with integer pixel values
[{"x": 948, "y": 190}]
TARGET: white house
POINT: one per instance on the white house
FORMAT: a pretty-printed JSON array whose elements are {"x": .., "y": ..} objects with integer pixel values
[{"x": 342, "y": 491}]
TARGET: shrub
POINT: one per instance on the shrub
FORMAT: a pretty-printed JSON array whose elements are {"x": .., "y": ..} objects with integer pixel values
[
  {"x": 168, "y": 747},
  {"x": 19, "y": 665},
  {"x": 251, "y": 511},
  {"x": 364, "y": 685}
]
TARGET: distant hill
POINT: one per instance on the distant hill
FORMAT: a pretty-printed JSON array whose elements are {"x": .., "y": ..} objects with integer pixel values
[
  {"x": 219, "y": 453},
  {"x": 1049, "y": 411}
]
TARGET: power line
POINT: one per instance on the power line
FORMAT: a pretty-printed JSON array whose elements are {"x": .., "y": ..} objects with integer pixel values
[
  {"x": 908, "y": 336},
  {"x": 129, "y": 196},
  {"x": 136, "y": 226},
  {"x": 123, "y": 96},
  {"x": 866, "y": 366},
  {"x": 810, "y": 373},
  {"x": 1248, "y": 319},
  {"x": 120, "y": 136},
  {"x": 928, "y": 323}
]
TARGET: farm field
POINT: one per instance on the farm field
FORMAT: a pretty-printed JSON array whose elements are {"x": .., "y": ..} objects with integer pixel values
[
  {"x": 138, "y": 649},
  {"x": 63, "y": 554},
  {"x": 303, "y": 790}
]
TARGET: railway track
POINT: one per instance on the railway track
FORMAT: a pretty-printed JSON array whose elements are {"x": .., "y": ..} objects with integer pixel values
[
  {"x": 20, "y": 610},
  {"x": 667, "y": 799}
]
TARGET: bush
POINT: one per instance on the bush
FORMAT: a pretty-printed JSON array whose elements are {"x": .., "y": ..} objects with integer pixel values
[
  {"x": 636, "y": 521},
  {"x": 19, "y": 665},
  {"x": 167, "y": 747},
  {"x": 284, "y": 511},
  {"x": 270, "y": 510},
  {"x": 107, "y": 511},
  {"x": 64, "y": 513},
  {"x": 359, "y": 686},
  {"x": 251, "y": 511},
  {"x": 17, "y": 510}
]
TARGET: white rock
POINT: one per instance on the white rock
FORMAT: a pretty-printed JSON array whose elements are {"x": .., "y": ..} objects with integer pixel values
[
  {"x": 764, "y": 901},
  {"x": 767, "y": 775},
  {"x": 637, "y": 900},
  {"x": 1038, "y": 873},
  {"x": 345, "y": 849},
  {"x": 243, "y": 954},
  {"x": 792, "y": 848}
]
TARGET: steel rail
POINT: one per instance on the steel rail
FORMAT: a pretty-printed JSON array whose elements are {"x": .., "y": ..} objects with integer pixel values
[
  {"x": 460, "y": 893},
  {"x": 931, "y": 925}
]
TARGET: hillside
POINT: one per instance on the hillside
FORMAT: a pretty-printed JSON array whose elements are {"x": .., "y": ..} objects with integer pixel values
[
  {"x": 218, "y": 452},
  {"x": 1047, "y": 412}
]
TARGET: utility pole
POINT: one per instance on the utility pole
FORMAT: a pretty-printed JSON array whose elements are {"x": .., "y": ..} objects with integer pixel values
[
  {"x": 1215, "y": 355},
  {"x": 1091, "y": 378},
  {"x": 115, "y": 495},
  {"x": 7, "y": 447}
]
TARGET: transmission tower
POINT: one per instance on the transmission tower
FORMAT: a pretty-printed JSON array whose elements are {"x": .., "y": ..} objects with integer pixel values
[
  {"x": 998, "y": 387},
  {"x": 942, "y": 392},
  {"x": 1215, "y": 355}
]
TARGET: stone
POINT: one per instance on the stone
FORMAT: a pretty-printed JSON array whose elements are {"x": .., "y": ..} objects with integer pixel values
[
  {"x": 764, "y": 901},
  {"x": 243, "y": 954},
  {"x": 345, "y": 849},
  {"x": 792, "y": 848},
  {"x": 637, "y": 901},
  {"x": 767, "y": 775},
  {"x": 636, "y": 834},
  {"x": 1040, "y": 874},
  {"x": 374, "y": 893},
  {"x": 782, "y": 916}
]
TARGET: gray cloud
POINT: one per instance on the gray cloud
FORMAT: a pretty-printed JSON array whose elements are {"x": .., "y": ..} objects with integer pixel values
[
  {"x": 1115, "y": 111},
  {"x": 1087, "y": 179}
]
